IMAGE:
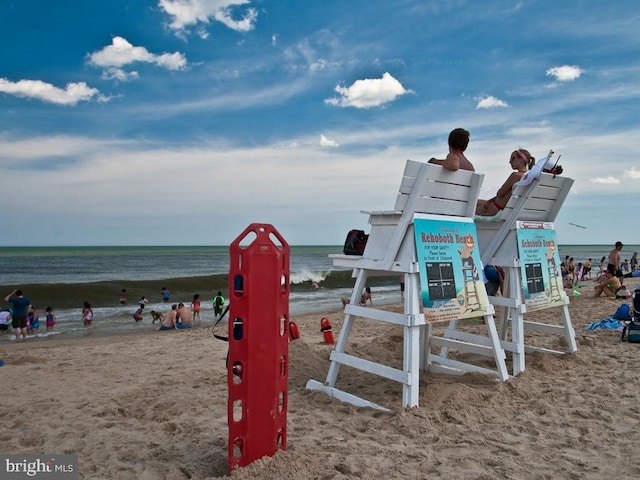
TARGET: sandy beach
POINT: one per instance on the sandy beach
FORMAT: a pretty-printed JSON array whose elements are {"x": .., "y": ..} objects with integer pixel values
[{"x": 152, "y": 406}]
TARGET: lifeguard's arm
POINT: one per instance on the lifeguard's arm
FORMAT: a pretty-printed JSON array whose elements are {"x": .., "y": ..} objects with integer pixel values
[{"x": 452, "y": 162}]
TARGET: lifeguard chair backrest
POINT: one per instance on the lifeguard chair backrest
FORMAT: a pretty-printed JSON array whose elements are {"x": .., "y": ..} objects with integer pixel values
[
  {"x": 540, "y": 201},
  {"x": 427, "y": 188}
]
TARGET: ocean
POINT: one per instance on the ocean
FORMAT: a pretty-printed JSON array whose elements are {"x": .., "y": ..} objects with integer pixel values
[{"x": 64, "y": 277}]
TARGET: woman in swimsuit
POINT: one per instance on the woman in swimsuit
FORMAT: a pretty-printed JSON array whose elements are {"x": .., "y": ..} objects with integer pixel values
[{"x": 520, "y": 161}]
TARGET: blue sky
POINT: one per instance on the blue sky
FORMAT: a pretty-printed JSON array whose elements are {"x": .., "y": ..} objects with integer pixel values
[{"x": 180, "y": 122}]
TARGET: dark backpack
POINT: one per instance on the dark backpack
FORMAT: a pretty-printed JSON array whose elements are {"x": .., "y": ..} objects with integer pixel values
[
  {"x": 355, "y": 242},
  {"x": 632, "y": 329}
]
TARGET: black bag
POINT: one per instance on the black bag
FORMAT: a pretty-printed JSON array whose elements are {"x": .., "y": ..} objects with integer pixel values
[
  {"x": 632, "y": 329},
  {"x": 355, "y": 242}
]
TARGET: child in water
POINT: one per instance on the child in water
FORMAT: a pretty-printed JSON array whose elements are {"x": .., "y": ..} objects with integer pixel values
[{"x": 51, "y": 319}]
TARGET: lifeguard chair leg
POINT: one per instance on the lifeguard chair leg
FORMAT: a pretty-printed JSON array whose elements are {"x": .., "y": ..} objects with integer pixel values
[{"x": 345, "y": 330}]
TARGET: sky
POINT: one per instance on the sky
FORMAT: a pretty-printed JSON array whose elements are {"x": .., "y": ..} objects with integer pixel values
[{"x": 181, "y": 122}]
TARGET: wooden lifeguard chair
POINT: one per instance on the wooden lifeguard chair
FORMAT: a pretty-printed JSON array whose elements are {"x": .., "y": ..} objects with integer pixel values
[
  {"x": 391, "y": 250},
  {"x": 537, "y": 198}
]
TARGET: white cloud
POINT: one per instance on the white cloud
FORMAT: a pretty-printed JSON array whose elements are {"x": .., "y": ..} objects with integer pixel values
[
  {"x": 327, "y": 142},
  {"x": 606, "y": 180},
  {"x": 304, "y": 55},
  {"x": 565, "y": 73},
  {"x": 186, "y": 13},
  {"x": 113, "y": 73},
  {"x": 70, "y": 95},
  {"x": 367, "y": 93},
  {"x": 632, "y": 173},
  {"x": 491, "y": 102},
  {"x": 121, "y": 53}
]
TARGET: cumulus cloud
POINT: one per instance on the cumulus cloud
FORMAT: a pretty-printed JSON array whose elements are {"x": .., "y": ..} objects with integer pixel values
[
  {"x": 327, "y": 142},
  {"x": 565, "y": 73},
  {"x": 186, "y": 13},
  {"x": 70, "y": 95},
  {"x": 632, "y": 173},
  {"x": 605, "y": 180},
  {"x": 489, "y": 101},
  {"x": 121, "y": 53},
  {"x": 367, "y": 93}
]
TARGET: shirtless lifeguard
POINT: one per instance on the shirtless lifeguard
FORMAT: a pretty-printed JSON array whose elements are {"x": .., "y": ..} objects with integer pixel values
[{"x": 455, "y": 160}]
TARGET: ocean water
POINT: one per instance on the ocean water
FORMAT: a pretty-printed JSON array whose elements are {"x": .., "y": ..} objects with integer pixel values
[{"x": 64, "y": 277}]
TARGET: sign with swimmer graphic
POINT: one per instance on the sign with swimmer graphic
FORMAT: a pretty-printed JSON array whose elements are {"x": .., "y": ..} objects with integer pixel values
[
  {"x": 451, "y": 284},
  {"x": 539, "y": 265}
]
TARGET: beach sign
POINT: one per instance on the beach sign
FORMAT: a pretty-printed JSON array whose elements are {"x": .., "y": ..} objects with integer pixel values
[
  {"x": 539, "y": 265},
  {"x": 451, "y": 280}
]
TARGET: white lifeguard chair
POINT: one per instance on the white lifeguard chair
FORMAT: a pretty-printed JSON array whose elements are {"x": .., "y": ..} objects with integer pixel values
[
  {"x": 391, "y": 249},
  {"x": 538, "y": 198}
]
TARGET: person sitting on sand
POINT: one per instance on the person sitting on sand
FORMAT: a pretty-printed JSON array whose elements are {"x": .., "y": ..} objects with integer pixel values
[
  {"x": 184, "y": 317},
  {"x": 609, "y": 285},
  {"x": 521, "y": 161},
  {"x": 168, "y": 322}
]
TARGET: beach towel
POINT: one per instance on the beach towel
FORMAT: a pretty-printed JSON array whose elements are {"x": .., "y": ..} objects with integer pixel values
[
  {"x": 535, "y": 172},
  {"x": 605, "y": 324}
]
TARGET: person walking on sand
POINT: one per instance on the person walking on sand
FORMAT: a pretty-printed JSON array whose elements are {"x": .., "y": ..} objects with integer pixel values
[
  {"x": 615, "y": 260},
  {"x": 455, "y": 160},
  {"x": 21, "y": 306}
]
